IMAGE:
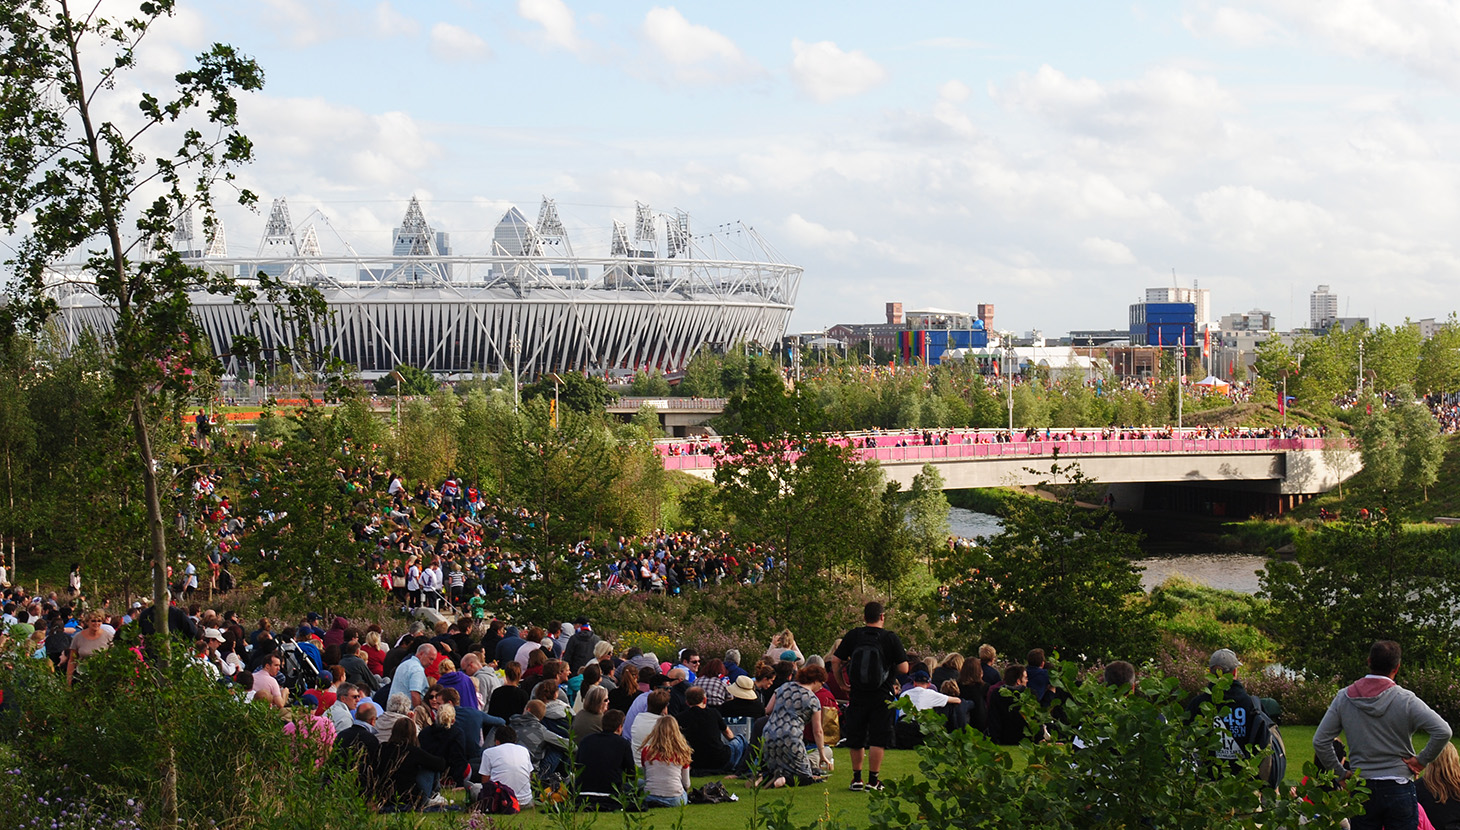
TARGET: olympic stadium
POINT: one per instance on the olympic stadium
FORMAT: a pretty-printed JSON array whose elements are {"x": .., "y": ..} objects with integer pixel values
[{"x": 529, "y": 305}]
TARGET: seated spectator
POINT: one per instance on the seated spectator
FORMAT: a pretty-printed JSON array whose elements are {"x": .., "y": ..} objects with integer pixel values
[
  {"x": 1439, "y": 790},
  {"x": 509, "y": 764},
  {"x": 556, "y": 717},
  {"x": 711, "y": 678},
  {"x": 605, "y": 764},
  {"x": 715, "y": 748},
  {"x": 360, "y": 739},
  {"x": 549, "y": 750},
  {"x": 1006, "y": 724},
  {"x": 665, "y": 757},
  {"x": 398, "y": 707},
  {"x": 643, "y": 724},
  {"x": 947, "y": 670},
  {"x": 589, "y": 721},
  {"x": 974, "y": 694},
  {"x": 401, "y": 765},
  {"x": 510, "y": 698},
  {"x": 446, "y": 740}
]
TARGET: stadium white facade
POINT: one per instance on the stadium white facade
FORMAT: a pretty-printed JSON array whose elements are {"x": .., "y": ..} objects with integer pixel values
[{"x": 530, "y": 302}]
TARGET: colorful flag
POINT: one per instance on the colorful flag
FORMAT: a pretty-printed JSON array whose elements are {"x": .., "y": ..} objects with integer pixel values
[{"x": 1206, "y": 345}]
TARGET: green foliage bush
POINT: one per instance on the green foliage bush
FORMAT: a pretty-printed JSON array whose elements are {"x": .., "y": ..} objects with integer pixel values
[
  {"x": 1356, "y": 581},
  {"x": 114, "y": 732},
  {"x": 1114, "y": 759},
  {"x": 1209, "y": 619}
]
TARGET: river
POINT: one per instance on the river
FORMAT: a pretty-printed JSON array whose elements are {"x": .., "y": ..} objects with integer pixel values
[{"x": 1230, "y": 571}]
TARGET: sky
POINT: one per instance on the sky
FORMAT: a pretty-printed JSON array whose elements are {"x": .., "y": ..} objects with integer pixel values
[{"x": 1054, "y": 159}]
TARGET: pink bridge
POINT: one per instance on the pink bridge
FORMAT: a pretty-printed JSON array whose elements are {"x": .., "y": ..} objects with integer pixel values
[{"x": 1277, "y": 464}]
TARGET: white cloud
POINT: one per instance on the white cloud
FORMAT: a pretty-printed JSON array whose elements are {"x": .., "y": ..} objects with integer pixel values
[
  {"x": 453, "y": 43},
  {"x": 697, "y": 53},
  {"x": 1165, "y": 103},
  {"x": 298, "y": 23},
  {"x": 390, "y": 23},
  {"x": 1422, "y": 36},
  {"x": 556, "y": 19},
  {"x": 1107, "y": 251},
  {"x": 824, "y": 72},
  {"x": 1251, "y": 219},
  {"x": 815, "y": 235},
  {"x": 313, "y": 145},
  {"x": 1240, "y": 26},
  {"x": 955, "y": 91}
]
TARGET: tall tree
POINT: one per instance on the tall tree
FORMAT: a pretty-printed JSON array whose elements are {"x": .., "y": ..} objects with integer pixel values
[
  {"x": 74, "y": 177},
  {"x": 1439, "y": 360}
]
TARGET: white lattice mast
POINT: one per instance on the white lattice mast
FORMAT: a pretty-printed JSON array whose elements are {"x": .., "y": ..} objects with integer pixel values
[
  {"x": 309, "y": 243},
  {"x": 677, "y": 237},
  {"x": 182, "y": 232},
  {"x": 550, "y": 230},
  {"x": 414, "y": 237},
  {"x": 620, "y": 245},
  {"x": 644, "y": 231},
  {"x": 217, "y": 241},
  {"x": 279, "y": 238}
]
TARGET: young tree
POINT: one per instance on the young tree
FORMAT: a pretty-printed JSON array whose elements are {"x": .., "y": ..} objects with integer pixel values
[
  {"x": 73, "y": 177},
  {"x": 1424, "y": 446},
  {"x": 1381, "y": 445},
  {"x": 305, "y": 549},
  {"x": 649, "y": 384},
  {"x": 1439, "y": 360},
  {"x": 1059, "y": 576}
]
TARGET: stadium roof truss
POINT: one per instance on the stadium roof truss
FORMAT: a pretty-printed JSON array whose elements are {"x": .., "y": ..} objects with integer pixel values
[{"x": 547, "y": 309}]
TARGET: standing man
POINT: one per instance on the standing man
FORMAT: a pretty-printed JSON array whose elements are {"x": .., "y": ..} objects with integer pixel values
[
  {"x": 873, "y": 656},
  {"x": 1380, "y": 719},
  {"x": 1239, "y": 723}
]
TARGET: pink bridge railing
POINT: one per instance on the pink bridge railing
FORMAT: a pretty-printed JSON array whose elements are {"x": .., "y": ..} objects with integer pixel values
[{"x": 885, "y": 449}]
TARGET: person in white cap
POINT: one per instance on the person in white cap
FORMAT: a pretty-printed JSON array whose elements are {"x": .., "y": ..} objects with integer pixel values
[
  {"x": 1237, "y": 716},
  {"x": 209, "y": 656}
]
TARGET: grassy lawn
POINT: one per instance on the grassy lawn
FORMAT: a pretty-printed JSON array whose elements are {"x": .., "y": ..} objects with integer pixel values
[
  {"x": 845, "y": 808},
  {"x": 831, "y": 801}
]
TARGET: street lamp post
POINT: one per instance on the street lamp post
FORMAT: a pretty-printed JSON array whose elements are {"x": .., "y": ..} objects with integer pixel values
[
  {"x": 516, "y": 346},
  {"x": 1180, "y": 374},
  {"x": 1007, "y": 343},
  {"x": 399, "y": 382}
]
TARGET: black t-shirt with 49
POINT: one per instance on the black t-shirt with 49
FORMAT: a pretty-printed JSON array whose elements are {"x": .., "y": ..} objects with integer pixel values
[{"x": 893, "y": 655}]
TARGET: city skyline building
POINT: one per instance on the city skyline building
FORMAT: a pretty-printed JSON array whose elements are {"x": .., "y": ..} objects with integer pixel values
[{"x": 1322, "y": 308}]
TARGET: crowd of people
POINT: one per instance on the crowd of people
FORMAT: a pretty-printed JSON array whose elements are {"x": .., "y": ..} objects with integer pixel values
[{"x": 511, "y": 715}]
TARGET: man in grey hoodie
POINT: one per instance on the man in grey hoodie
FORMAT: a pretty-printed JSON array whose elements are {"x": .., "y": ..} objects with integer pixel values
[{"x": 1380, "y": 719}]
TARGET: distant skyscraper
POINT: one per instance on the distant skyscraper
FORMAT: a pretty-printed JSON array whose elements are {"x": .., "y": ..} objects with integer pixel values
[{"x": 1322, "y": 308}]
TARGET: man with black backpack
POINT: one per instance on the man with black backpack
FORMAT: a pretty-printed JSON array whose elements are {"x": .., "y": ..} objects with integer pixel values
[
  {"x": 873, "y": 656},
  {"x": 1244, "y": 729}
]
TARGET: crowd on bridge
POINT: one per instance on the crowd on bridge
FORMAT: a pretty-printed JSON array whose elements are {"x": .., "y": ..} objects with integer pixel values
[{"x": 510, "y": 715}]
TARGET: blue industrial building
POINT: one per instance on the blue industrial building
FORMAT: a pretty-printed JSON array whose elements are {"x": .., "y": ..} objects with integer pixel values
[
  {"x": 1163, "y": 324},
  {"x": 928, "y": 345}
]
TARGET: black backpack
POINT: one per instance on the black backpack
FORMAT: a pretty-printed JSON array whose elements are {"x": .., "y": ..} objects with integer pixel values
[
  {"x": 1265, "y": 736},
  {"x": 865, "y": 669}
]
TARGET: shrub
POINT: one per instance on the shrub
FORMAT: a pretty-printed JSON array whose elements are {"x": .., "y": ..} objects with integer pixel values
[
  {"x": 1115, "y": 759},
  {"x": 127, "y": 717},
  {"x": 1438, "y": 686},
  {"x": 660, "y": 645}
]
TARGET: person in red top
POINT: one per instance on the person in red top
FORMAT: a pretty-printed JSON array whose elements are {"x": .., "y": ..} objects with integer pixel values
[{"x": 373, "y": 653}]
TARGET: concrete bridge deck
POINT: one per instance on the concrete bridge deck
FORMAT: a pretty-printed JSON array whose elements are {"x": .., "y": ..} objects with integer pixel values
[{"x": 1284, "y": 466}]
